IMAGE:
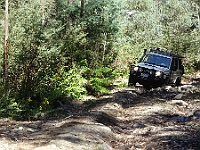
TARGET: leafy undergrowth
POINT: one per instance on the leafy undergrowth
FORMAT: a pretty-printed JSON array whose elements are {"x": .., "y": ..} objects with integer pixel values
[{"x": 128, "y": 119}]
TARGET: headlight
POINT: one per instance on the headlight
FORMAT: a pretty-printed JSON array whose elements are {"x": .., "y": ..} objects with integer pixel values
[
  {"x": 158, "y": 74},
  {"x": 135, "y": 68}
]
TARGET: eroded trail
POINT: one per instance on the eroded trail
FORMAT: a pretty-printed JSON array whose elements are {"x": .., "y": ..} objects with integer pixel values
[{"x": 128, "y": 119}]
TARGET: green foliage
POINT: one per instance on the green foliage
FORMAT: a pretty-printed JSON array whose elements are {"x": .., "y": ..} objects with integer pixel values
[
  {"x": 170, "y": 25},
  {"x": 65, "y": 83},
  {"x": 99, "y": 85},
  {"x": 32, "y": 55},
  {"x": 100, "y": 80},
  {"x": 90, "y": 28},
  {"x": 9, "y": 107},
  {"x": 73, "y": 83},
  {"x": 122, "y": 85}
]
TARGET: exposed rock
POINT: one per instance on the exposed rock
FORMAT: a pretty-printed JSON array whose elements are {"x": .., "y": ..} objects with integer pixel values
[
  {"x": 188, "y": 88},
  {"x": 172, "y": 89},
  {"x": 138, "y": 125},
  {"x": 181, "y": 119},
  {"x": 197, "y": 114},
  {"x": 105, "y": 146},
  {"x": 4, "y": 146},
  {"x": 185, "y": 88},
  {"x": 178, "y": 102},
  {"x": 112, "y": 109},
  {"x": 179, "y": 96},
  {"x": 124, "y": 95},
  {"x": 46, "y": 147}
]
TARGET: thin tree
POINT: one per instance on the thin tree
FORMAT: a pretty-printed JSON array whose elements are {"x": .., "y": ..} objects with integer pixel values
[
  {"x": 6, "y": 46},
  {"x": 82, "y": 8}
]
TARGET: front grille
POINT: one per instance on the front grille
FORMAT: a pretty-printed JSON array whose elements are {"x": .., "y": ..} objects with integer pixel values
[{"x": 147, "y": 71}]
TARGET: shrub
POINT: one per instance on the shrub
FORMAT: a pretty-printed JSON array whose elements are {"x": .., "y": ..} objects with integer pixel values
[
  {"x": 100, "y": 80},
  {"x": 65, "y": 83},
  {"x": 9, "y": 107}
]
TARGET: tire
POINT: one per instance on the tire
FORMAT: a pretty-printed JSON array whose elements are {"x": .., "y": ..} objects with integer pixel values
[
  {"x": 147, "y": 87},
  {"x": 178, "y": 81},
  {"x": 131, "y": 81}
]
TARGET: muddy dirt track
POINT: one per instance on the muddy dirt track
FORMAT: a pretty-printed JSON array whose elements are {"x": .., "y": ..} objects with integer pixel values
[{"x": 166, "y": 118}]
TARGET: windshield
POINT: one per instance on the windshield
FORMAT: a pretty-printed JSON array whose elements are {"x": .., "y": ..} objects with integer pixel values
[{"x": 157, "y": 60}]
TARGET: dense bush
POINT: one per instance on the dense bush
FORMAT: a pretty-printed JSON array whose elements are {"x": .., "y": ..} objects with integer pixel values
[{"x": 65, "y": 83}]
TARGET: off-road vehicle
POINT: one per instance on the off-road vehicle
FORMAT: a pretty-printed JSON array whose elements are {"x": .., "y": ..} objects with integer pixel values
[{"x": 157, "y": 68}]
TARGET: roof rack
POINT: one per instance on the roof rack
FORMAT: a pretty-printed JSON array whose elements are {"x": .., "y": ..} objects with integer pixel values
[{"x": 158, "y": 51}]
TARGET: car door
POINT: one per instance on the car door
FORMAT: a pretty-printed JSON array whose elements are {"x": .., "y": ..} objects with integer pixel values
[{"x": 176, "y": 70}]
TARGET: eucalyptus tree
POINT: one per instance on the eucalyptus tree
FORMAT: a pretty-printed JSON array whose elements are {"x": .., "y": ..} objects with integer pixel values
[
  {"x": 141, "y": 28},
  {"x": 171, "y": 25},
  {"x": 33, "y": 48},
  {"x": 101, "y": 27},
  {"x": 47, "y": 36},
  {"x": 90, "y": 26},
  {"x": 2, "y": 34},
  {"x": 178, "y": 22}
]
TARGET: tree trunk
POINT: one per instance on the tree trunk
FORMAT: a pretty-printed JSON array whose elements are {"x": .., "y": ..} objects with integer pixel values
[
  {"x": 82, "y": 8},
  {"x": 6, "y": 46}
]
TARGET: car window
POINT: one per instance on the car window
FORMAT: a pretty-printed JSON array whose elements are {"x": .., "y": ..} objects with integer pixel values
[
  {"x": 174, "y": 63},
  {"x": 157, "y": 60}
]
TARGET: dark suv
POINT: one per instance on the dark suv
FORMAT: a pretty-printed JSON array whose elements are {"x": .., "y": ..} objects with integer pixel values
[{"x": 157, "y": 68}]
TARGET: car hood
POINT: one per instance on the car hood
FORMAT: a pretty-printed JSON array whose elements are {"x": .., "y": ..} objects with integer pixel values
[{"x": 153, "y": 67}]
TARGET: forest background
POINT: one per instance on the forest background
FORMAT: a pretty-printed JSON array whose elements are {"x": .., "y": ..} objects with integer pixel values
[{"x": 60, "y": 50}]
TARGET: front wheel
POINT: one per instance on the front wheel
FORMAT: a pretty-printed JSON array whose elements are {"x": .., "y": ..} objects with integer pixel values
[
  {"x": 147, "y": 86},
  {"x": 178, "y": 81},
  {"x": 131, "y": 81}
]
